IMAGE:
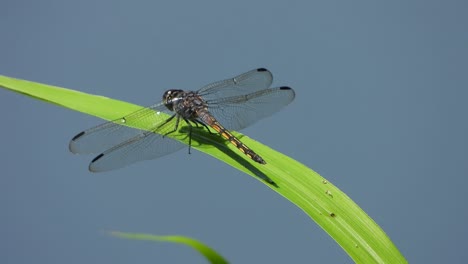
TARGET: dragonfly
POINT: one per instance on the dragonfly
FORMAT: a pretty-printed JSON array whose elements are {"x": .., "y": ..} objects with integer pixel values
[{"x": 226, "y": 105}]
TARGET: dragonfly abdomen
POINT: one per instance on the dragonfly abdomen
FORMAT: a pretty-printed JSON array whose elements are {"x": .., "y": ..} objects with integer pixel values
[{"x": 212, "y": 122}]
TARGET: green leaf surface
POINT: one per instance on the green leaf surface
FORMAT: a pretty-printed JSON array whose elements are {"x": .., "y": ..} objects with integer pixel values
[
  {"x": 206, "y": 251},
  {"x": 329, "y": 207}
]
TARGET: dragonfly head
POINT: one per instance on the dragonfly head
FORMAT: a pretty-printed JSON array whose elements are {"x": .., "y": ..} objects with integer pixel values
[{"x": 170, "y": 96}]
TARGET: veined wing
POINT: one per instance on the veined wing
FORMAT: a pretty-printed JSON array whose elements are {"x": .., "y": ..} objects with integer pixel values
[
  {"x": 242, "y": 84},
  {"x": 238, "y": 112},
  {"x": 144, "y": 146},
  {"x": 109, "y": 134}
]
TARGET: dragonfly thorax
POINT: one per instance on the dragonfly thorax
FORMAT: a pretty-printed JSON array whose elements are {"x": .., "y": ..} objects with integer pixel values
[{"x": 187, "y": 104}]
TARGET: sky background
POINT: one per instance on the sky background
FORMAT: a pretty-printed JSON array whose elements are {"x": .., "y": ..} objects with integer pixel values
[{"x": 380, "y": 111}]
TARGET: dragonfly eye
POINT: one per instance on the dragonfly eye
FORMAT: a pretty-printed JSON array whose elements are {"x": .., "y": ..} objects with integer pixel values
[{"x": 169, "y": 97}]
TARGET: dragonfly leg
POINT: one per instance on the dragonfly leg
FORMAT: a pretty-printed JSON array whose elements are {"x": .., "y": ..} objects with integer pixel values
[
  {"x": 190, "y": 133},
  {"x": 190, "y": 139},
  {"x": 175, "y": 127},
  {"x": 197, "y": 122}
]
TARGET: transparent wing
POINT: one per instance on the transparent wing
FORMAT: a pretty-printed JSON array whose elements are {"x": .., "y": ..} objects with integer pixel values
[
  {"x": 144, "y": 146},
  {"x": 241, "y": 101},
  {"x": 109, "y": 134},
  {"x": 245, "y": 83},
  {"x": 238, "y": 112}
]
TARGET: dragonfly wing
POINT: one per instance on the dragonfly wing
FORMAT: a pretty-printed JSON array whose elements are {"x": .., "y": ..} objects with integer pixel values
[
  {"x": 238, "y": 112},
  {"x": 106, "y": 135},
  {"x": 144, "y": 146},
  {"x": 245, "y": 83}
]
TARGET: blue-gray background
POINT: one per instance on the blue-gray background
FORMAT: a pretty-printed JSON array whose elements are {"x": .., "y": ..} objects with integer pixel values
[{"x": 380, "y": 111}]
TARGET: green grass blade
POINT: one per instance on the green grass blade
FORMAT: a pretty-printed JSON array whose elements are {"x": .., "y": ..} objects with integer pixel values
[
  {"x": 329, "y": 207},
  {"x": 203, "y": 249},
  {"x": 95, "y": 105}
]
